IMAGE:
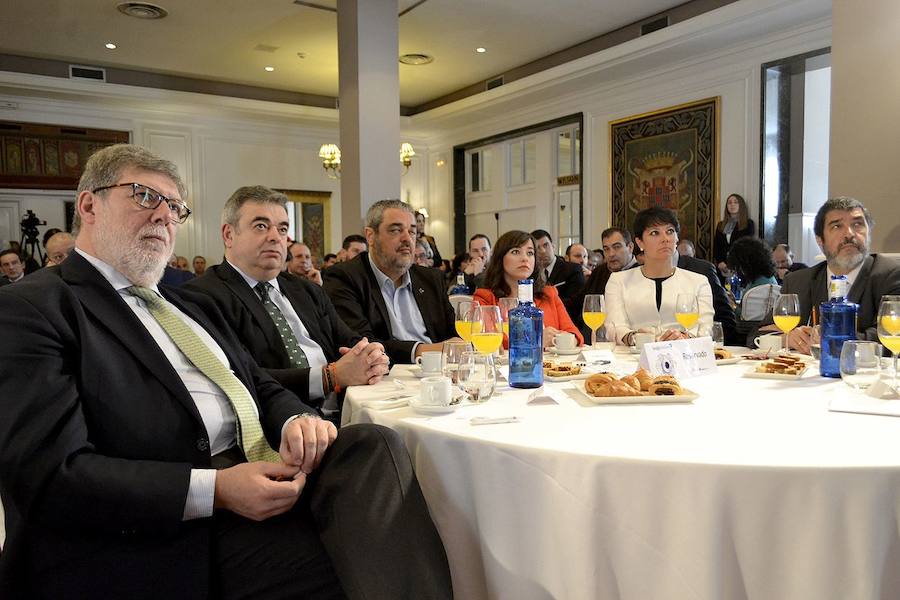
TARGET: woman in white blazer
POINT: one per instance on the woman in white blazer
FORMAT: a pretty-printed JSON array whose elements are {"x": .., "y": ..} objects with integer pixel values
[{"x": 643, "y": 298}]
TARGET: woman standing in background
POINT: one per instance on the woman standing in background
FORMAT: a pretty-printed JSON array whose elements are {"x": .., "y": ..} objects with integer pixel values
[{"x": 736, "y": 223}]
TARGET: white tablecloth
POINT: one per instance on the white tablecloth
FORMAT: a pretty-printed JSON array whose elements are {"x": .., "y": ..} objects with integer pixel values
[{"x": 754, "y": 491}]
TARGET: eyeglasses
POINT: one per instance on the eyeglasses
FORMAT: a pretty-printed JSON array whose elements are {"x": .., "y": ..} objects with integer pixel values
[{"x": 147, "y": 197}]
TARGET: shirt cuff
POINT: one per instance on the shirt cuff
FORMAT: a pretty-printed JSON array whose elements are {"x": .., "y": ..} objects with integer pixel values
[
  {"x": 412, "y": 355},
  {"x": 316, "y": 390},
  {"x": 201, "y": 494}
]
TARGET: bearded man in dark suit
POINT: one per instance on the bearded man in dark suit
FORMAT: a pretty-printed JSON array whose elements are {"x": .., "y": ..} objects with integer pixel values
[
  {"x": 382, "y": 295},
  {"x": 137, "y": 437},
  {"x": 254, "y": 231},
  {"x": 843, "y": 229}
]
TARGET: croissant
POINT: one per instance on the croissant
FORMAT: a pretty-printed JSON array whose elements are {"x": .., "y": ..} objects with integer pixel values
[
  {"x": 644, "y": 378},
  {"x": 632, "y": 381},
  {"x": 615, "y": 388},
  {"x": 596, "y": 380}
]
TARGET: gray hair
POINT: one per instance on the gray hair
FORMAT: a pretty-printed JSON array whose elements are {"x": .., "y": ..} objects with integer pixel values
[
  {"x": 250, "y": 193},
  {"x": 105, "y": 166},
  {"x": 375, "y": 214},
  {"x": 846, "y": 203},
  {"x": 426, "y": 247}
]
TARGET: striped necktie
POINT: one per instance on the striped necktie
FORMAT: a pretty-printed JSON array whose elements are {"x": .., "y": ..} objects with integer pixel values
[
  {"x": 250, "y": 434},
  {"x": 291, "y": 346}
]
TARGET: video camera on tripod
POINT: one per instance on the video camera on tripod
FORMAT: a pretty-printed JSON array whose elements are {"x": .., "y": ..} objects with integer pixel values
[{"x": 30, "y": 243}]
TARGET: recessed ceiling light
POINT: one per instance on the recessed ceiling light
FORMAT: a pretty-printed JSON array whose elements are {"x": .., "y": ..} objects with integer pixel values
[
  {"x": 270, "y": 69},
  {"x": 480, "y": 50},
  {"x": 110, "y": 45},
  {"x": 416, "y": 59},
  {"x": 142, "y": 10}
]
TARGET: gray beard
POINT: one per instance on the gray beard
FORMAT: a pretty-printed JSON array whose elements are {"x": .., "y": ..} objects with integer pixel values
[
  {"x": 133, "y": 258},
  {"x": 847, "y": 262}
]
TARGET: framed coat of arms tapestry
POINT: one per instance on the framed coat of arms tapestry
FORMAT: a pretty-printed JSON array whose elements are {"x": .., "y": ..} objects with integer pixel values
[{"x": 668, "y": 158}]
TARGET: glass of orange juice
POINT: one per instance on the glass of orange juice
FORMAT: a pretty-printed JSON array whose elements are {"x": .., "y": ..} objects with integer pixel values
[
  {"x": 487, "y": 329},
  {"x": 687, "y": 311},
  {"x": 464, "y": 313},
  {"x": 786, "y": 315},
  {"x": 593, "y": 312},
  {"x": 889, "y": 328},
  {"x": 506, "y": 305}
]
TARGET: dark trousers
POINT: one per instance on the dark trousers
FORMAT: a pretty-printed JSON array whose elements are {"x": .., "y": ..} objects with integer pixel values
[{"x": 360, "y": 529}]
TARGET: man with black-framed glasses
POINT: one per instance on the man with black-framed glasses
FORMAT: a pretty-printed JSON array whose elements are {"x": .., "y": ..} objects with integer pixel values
[{"x": 143, "y": 454}]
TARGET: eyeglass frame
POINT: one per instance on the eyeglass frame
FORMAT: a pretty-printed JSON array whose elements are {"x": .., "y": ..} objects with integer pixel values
[{"x": 158, "y": 197}]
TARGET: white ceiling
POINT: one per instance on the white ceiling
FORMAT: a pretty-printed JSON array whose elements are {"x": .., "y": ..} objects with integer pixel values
[{"x": 215, "y": 39}]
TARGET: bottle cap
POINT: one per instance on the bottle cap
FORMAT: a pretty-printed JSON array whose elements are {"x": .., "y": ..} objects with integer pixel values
[{"x": 526, "y": 290}]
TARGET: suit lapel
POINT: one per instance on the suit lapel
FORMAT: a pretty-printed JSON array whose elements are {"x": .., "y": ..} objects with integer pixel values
[
  {"x": 238, "y": 286},
  {"x": 860, "y": 285},
  {"x": 302, "y": 302},
  {"x": 109, "y": 310}
]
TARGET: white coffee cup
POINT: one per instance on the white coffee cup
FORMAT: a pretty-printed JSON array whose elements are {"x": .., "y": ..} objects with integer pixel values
[
  {"x": 769, "y": 343},
  {"x": 643, "y": 337},
  {"x": 564, "y": 341},
  {"x": 430, "y": 362},
  {"x": 434, "y": 391}
]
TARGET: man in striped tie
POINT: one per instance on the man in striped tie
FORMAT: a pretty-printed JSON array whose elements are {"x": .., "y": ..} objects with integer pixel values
[{"x": 144, "y": 454}]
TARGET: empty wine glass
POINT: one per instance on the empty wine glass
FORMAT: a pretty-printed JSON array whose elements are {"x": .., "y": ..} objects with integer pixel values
[
  {"x": 860, "y": 363},
  {"x": 477, "y": 377},
  {"x": 451, "y": 355},
  {"x": 717, "y": 334},
  {"x": 786, "y": 315}
]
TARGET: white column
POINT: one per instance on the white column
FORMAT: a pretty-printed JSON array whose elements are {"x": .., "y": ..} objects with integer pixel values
[{"x": 369, "y": 106}]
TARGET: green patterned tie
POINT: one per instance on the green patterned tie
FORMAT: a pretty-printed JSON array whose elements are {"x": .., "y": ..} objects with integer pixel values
[
  {"x": 250, "y": 434},
  {"x": 294, "y": 351}
]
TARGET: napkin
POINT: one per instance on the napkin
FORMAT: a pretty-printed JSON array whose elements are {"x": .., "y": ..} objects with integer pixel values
[
  {"x": 879, "y": 399},
  {"x": 382, "y": 391}
]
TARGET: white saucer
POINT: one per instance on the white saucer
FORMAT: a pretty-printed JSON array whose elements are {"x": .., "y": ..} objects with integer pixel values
[
  {"x": 418, "y": 372},
  {"x": 562, "y": 352},
  {"x": 434, "y": 410}
]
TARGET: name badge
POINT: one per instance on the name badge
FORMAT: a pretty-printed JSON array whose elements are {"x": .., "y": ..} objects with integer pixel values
[{"x": 681, "y": 358}]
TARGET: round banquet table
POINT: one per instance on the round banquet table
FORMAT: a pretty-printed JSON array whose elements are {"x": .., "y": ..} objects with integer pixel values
[{"x": 754, "y": 491}]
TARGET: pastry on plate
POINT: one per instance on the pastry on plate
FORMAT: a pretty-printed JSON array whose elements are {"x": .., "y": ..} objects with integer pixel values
[
  {"x": 562, "y": 370},
  {"x": 665, "y": 385},
  {"x": 596, "y": 380},
  {"x": 645, "y": 378},
  {"x": 722, "y": 354}
]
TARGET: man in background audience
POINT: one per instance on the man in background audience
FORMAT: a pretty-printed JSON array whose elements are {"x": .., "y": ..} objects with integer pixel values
[
  {"x": 783, "y": 257},
  {"x": 354, "y": 245},
  {"x": 686, "y": 248},
  {"x": 142, "y": 462},
  {"x": 566, "y": 277},
  {"x": 328, "y": 260},
  {"x": 384, "y": 296},
  {"x": 420, "y": 231},
  {"x": 260, "y": 300},
  {"x": 174, "y": 276},
  {"x": 12, "y": 266},
  {"x": 578, "y": 254},
  {"x": 199, "y": 265},
  {"x": 58, "y": 247},
  {"x": 181, "y": 262},
  {"x": 299, "y": 263},
  {"x": 843, "y": 228},
  {"x": 423, "y": 255}
]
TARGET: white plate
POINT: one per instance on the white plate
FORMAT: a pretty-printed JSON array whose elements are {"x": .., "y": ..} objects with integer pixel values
[
  {"x": 729, "y": 361},
  {"x": 582, "y": 375},
  {"x": 418, "y": 372},
  {"x": 754, "y": 374},
  {"x": 686, "y": 398},
  {"x": 434, "y": 410},
  {"x": 561, "y": 352}
]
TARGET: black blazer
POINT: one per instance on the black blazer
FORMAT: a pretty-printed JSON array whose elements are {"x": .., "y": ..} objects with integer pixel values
[
  {"x": 98, "y": 436},
  {"x": 256, "y": 330},
  {"x": 595, "y": 284},
  {"x": 357, "y": 298},
  {"x": 566, "y": 277},
  {"x": 879, "y": 275},
  {"x": 721, "y": 244}
]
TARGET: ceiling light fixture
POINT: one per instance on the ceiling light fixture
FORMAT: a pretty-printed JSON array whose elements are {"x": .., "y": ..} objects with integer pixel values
[
  {"x": 331, "y": 158},
  {"x": 416, "y": 59},
  {"x": 480, "y": 50},
  {"x": 111, "y": 46},
  {"x": 270, "y": 69},
  {"x": 142, "y": 10}
]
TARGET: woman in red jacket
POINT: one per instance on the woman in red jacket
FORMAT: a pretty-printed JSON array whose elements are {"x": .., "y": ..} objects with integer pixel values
[{"x": 512, "y": 260}]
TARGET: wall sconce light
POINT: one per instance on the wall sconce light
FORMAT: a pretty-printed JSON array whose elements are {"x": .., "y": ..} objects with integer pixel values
[{"x": 331, "y": 158}]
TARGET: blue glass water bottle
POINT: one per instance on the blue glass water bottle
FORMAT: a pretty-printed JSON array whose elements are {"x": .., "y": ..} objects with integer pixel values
[
  {"x": 838, "y": 320},
  {"x": 460, "y": 287},
  {"x": 526, "y": 340}
]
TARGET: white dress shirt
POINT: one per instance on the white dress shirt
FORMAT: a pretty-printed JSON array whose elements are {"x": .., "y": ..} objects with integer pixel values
[{"x": 631, "y": 302}]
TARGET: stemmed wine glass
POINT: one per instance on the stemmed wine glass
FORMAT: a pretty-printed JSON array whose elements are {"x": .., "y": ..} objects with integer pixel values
[
  {"x": 451, "y": 355},
  {"x": 506, "y": 305},
  {"x": 487, "y": 329},
  {"x": 687, "y": 311},
  {"x": 786, "y": 314},
  {"x": 464, "y": 321},
  {"x": 593, "y": 312},
  {"x": 889, "y": 328}
]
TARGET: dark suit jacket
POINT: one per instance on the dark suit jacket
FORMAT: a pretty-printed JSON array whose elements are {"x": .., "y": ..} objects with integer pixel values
[
  {"x": 724, "y": 313},
  {"x": 721, "y": 244},
  {"x": 98, "y": 436},
  {"x": 256, "y": 330},
  {"x": 175, "y": 277},
  {"x": 357, "y": 298},
  {"x": 567, "y": 278},
  {"x": 879, "y": 275},
  {"x": 595, "y": 284}
]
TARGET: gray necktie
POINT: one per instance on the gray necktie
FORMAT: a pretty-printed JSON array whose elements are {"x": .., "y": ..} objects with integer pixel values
[
  {"x": 250, "y": 433},
  {"x": 292, "y": 347}
]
